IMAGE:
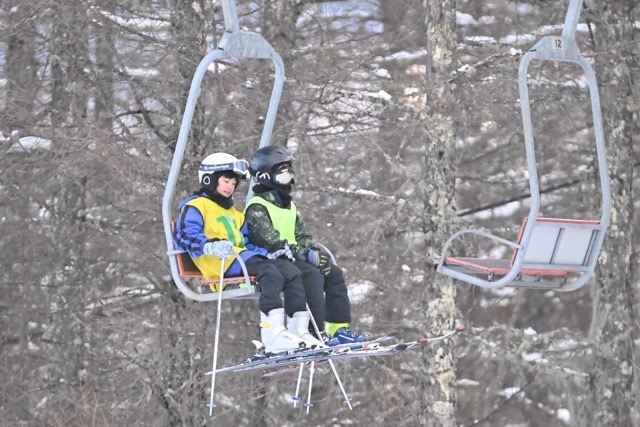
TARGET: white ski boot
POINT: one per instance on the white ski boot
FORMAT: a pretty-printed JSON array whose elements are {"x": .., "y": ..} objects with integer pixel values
[
  {"x": 298, "y": 325},
  {"x": 275, "y": 336}
]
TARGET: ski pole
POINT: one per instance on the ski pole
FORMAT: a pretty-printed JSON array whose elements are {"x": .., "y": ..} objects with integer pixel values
[
  {"x": 216, "y": 338},
  {"x": 308, "y": 405},
  {"x": 333, "y": 368},
  {"x": 296, "y": 398}
]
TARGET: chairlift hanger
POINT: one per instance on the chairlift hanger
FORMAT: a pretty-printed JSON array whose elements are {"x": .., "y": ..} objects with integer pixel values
[
  {"x": 233, "y": 44},
  {"x": 550, "y": 253}
]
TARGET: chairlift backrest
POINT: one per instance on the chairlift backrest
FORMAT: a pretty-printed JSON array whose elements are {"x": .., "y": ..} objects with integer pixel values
[{"x": 564, "y": 243}]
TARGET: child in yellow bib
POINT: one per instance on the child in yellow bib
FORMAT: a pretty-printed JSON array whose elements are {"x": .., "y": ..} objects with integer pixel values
[{"x": 209, "y": 230}]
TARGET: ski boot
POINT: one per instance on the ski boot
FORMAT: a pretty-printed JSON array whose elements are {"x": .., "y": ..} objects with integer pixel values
[
  {"x": 275, "y": 337},
  {"x": 298, "y": 325}
]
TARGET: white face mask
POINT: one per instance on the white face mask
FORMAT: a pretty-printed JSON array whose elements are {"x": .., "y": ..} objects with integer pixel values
[{"x": 284, "y": 177}]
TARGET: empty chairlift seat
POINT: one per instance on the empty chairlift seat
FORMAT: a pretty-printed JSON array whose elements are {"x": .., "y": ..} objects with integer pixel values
[{"x": 557, "y": 252}]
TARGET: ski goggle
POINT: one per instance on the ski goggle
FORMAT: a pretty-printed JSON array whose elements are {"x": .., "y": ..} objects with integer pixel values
[{"x": 239, "y": 167}]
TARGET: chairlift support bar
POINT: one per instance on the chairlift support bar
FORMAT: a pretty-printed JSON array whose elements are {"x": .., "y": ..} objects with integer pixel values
[
  {"x": 556, "y": 49},
  {"x": 233, "y": 44}
]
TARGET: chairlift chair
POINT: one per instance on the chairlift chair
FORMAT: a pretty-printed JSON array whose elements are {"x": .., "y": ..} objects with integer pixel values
[
  {"x": 240, "y": 45},
  {"x": 233, "y": 44},
  {"x": 549, "y": 253}
]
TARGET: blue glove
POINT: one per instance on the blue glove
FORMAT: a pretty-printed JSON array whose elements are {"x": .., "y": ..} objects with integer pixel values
[
  {"x": 220, "y": 248},
  {"x": 320, "y": 259}
]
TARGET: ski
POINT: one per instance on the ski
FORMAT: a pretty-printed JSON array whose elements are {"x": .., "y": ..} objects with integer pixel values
[
  {"x": 346, "y": 351},
  {"x": 396, "y": 348},
  {"x": 261, "y": 361},
  {"x": 378, "y": 351}
]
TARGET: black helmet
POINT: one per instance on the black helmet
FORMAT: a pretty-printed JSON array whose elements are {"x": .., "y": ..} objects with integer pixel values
[
  {"x": 267, "y": 158},
  {"x": 272, "y": 167}
]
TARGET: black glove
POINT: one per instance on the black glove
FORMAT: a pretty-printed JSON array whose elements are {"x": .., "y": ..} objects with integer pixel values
[{"x": 320, "y": 259}]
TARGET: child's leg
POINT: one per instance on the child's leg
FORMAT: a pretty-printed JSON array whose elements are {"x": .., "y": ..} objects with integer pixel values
[
  {"x": 313, "y": 282},
  {"x": 338, "y": 306},
  {"x": 275, "y": 337},
  {"x": 294, "y": 297},
  {"x": 271, "y": 282}
]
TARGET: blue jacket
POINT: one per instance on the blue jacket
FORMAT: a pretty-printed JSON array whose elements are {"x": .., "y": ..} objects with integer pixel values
[{"x": 190, "y": 237}]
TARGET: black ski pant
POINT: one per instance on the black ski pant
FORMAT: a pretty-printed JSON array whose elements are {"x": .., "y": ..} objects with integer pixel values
[
  {"x": 275, "y": 276},
  {"x": 326, "y": 295}
]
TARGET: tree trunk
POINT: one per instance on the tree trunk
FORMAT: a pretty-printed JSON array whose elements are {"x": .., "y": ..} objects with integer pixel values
[
  {"x": 613, "y": 330},
  {"x": 104, "y": 54},
  {"x": 21, "y": 69},
  {"x": 189, "y": 31},
  {"x": 69, "y": 60},
  {"x": 279, "y": 19},
  {"x": 438, "y": 399}
]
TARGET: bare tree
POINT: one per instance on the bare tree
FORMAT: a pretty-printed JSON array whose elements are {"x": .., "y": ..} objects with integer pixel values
[
  {"x": 438, "y": 397},
  {"x": 612, "y": 396},
  {"x": 20, "y": 37}
]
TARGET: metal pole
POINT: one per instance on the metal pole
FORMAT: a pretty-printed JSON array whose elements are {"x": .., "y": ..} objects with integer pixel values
[
  {"x": 296, "y": 398},
  {"x": 308, "y": 405},
  {"x": 571, "y": 20},
  {"x": 216, "y": 338},
  {"x": 333, "y": 368}
]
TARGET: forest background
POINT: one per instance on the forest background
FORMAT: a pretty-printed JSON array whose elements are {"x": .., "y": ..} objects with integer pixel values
[{"x": 404, "y": 118}]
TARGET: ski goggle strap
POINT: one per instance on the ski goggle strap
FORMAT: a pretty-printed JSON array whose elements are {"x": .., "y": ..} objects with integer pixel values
[{"x": 239, "y": 167}]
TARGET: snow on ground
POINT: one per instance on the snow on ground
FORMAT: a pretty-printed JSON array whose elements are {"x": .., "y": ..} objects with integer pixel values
[
  {"x": 403, "y": 55},
  {"x": 509, "y": 391},
  {"x": 464, "y": 19},
  {"x": 564, "y": 415},
  {"x": 142, "y": 72},
  {"x": 504, "y": 211},
  {"x": 30, "y": 143},
  {"x": 358, "y": 291},
  {"x": 534, "y": 357},
  {"x": 536, "y": 34}
]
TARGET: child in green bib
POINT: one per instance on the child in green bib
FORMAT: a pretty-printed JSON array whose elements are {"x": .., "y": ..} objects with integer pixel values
[{"x": 273, "y": 222}]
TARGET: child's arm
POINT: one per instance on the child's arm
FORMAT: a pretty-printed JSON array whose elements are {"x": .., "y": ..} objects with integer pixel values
[
  {"x": 260, "y": 229},
  {"x": 303, "y": 238},
  {"x": 190, "y": 231}
]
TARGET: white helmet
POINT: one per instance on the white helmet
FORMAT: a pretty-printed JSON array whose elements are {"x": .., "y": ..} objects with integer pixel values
[{"x": 219, "y": 162}]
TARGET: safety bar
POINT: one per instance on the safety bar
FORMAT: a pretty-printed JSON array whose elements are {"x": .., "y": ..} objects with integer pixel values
[{"x": 503, "y": 281}]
